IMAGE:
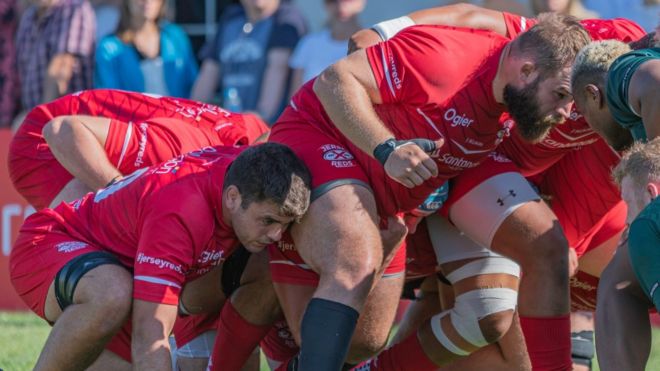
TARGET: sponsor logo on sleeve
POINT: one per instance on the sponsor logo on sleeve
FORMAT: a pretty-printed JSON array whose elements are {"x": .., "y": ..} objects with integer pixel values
[
  {"x": 158, "y": 262},
  {"x": 142, "y": 146}
]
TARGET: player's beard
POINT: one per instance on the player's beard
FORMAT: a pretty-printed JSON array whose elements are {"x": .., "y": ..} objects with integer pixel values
[{"x": 524, "y": 107}]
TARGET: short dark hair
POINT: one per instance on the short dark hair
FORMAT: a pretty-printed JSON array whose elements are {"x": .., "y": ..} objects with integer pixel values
[
  {"x": 553, "y": 42},
  {"x": 271, "y": 172}
]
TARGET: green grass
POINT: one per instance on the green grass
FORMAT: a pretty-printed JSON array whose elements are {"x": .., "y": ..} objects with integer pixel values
[{"x": 23, "y": 334}]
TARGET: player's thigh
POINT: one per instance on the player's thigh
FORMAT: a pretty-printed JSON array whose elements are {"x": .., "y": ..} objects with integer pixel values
[
  {"x": 340, "y": 233},
  {"x": 108, "y": 285}
]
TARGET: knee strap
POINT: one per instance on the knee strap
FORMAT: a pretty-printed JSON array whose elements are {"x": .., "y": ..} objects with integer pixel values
[{"x": 68, "y": 277}]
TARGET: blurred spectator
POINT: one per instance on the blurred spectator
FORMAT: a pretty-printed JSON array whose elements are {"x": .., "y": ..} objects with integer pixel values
[
  {"x": 248, "y": 60},
  {"x": 570, "y": 7},
  {"x": 107, "y": 16},
  {"x": 8, "y": 76},
  {"x": 318, "y": 50},
  {"x": 147, "y": 54},
  {"x": 644, "y": 12},
  {"x": 54, "y": 49},
  {"x": 520, "y": 7}
]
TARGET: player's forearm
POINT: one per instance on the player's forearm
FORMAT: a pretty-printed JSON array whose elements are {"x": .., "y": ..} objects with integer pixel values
[
  {"x": 350, "y": 107},
  {"x": 151, "y": 356},
  {"x": 621, "y": 314},
  {"x": 80, "y": 151},
  {"x": 152, "y": 324}
]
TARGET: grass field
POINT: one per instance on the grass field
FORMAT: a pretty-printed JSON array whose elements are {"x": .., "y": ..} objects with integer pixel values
[{"x": 23, "y": 334}]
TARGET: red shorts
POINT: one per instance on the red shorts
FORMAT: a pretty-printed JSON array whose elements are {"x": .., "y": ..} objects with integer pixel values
[
  {"x": 420, "y": 256},
  {"x": 287, "y": 266},
  {"x": 331, "y": 157},
  {"x": 279, "y": 344},
  {"x": 41, "y": 250}
]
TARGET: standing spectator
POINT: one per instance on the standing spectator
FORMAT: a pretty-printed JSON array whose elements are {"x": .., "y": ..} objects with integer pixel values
[
  {"x": 318, "y": 50},
  {"x": 570, "y": 7},
  {"x": 8, "y": 77},
  {"x": 147, "y": 54},
  {"x": 55, "y": 49},
  {"x": 248, "y": 60}
]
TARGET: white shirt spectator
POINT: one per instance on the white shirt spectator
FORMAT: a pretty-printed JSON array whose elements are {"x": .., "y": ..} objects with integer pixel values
[{"x": 315, "y": 52}]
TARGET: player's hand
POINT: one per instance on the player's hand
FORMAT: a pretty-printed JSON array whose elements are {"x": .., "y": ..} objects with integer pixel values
[
  {"x": 363, "y": 39},
  {"x": 410, "y": 164}
]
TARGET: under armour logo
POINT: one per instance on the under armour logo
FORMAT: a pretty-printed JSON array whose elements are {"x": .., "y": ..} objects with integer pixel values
[{"x": 500, "y": 200}]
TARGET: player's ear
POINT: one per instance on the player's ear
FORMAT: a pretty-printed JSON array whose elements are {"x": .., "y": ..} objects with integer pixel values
[
  {"x": 528, "y": 72},
  {"x": 232, "y": 197},
  {"x": 594, "y": 94},
  {"x": 653, "y": 189}
]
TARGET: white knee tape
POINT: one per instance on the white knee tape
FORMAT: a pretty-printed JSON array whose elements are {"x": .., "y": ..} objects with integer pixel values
[
  {"x": 469, "y": 308},
  {"x": 490, "y": 265},
  {"x": 473, "y": 306},
  {"x": 436, "y": 327}
]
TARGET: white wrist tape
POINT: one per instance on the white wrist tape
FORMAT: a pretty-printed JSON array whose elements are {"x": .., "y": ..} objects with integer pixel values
[{"x": 387, "y": 29}]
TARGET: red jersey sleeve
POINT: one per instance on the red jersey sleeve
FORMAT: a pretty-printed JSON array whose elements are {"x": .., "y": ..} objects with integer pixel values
[
  {"x": 516, "y": 24},
  {"x": 423, "y": 64},
  {"x": 176, "y": 226}
]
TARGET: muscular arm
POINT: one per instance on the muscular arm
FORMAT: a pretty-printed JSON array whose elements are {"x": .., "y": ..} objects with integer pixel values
[
  {"x": 458, "y": 15},
  {"x": 348, "y": 91},
  {"x": 78, "y": 143},
  {"x": 622, "y": 313},
  {"x": 152, "y": 324},
  {"x": 644, "y": 95}
]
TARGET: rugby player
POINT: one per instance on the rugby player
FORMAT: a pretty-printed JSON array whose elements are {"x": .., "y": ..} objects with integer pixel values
[
  {"x": 639, "y": 177},
  {"x": 128, "y": 250},
  {"x": 98, "y": 135}
]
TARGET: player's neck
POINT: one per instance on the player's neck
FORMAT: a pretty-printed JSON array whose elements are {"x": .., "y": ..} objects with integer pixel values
[{"x": 499, "y": 82}]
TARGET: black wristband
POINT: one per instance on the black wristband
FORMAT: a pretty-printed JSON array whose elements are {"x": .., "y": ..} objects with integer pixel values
[
  {"x": 326, "y": 331},
  {"x": 382, "y": 151}
]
